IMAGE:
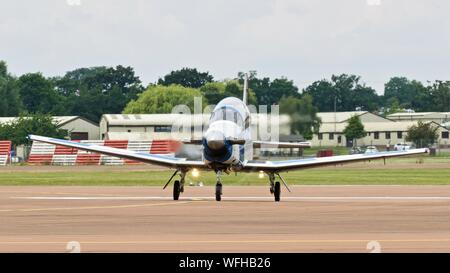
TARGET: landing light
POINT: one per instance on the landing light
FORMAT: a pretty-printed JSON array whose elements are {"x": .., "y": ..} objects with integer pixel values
[
  {"x": 261, "y": 175},
  {"x": 195, "y": 173}
]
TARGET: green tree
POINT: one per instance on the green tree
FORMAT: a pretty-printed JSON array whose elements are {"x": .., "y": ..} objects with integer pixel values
[
  {"x": 304, "y": 119},
  {"x": 440, "y": 93},
  {"x": 217, "y": 91},
  {"x": 392, "y": 106},
  {"x": 409, "y": 94},
  {"x": 187, "y": 77},
  {"x": 38, "y": 124},
  {"x": 38, "y": 94},
  {"x": 88, "y": 103},
  {"x": 346, "y": 91},
  {"x": 10, "y": 102},
  {"x": 354, "y": 129},
  {"x": 270, "y": 92},
  {"x": 423, "y": 134},
  {"x": 91, "y": 92},
  {"x": 162, "y": 99}
]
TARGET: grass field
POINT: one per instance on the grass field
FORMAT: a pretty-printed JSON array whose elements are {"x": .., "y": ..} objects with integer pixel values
[
  {"x": 399, "y": 171},
  {"x": 307, "y": 177}
]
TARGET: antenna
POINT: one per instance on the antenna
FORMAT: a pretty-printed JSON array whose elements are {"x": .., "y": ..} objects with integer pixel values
[{"x": 244, "y": 99}]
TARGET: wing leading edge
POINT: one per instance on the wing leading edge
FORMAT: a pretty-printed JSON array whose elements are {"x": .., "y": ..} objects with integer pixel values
[
  {"x": 165, "y": 161},
  {"x": 278, "y": 166}
]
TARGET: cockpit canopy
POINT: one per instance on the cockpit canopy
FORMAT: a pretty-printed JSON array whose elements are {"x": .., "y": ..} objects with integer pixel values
[{"x": 227, "y": 113}]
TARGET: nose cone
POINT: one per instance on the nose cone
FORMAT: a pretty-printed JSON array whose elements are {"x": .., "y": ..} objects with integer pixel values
[{"x": 215, "y": 140}]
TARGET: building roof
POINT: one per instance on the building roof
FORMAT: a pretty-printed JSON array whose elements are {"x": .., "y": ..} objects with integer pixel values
[
  {"x": 373, "y": 127},
  {"x": 421, "y": 114},
  {"x": 414, "y": 114},
  {"x": 331, "y": 117},
  {"x": 60, "y": 120},
  {"x": 169, "y": 119}
]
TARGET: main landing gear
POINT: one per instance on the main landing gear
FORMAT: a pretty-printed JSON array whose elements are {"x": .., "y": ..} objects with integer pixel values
[
  {"x": 178, "y": 185},
  {"x": 275, "y": 187}
]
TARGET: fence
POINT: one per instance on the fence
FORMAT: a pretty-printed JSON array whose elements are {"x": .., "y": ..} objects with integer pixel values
[
  {"x": 48, "y": 154},
  {"x": 5, "y": 151}
]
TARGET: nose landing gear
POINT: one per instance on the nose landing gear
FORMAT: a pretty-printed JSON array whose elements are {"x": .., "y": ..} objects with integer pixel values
[{"x": 218, "y": 186}]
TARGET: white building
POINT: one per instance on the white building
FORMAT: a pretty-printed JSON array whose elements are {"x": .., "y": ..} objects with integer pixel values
[
  {"x": 378, "y": 134},
  {"x": 77, "y": 127},
  {"x": 162, "y": 126}
]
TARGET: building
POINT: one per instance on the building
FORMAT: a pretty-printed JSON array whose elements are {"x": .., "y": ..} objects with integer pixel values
[
  {"x": 175, "y": 126},
  {"x": 378, "y": 134},
  {"x": 438, "y": 117},
  {"x": 78, "y": 127}
]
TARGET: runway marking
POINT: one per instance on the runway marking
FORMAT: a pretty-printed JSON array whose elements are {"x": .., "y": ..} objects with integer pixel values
[
  {"x": 300, "y": 241},
  {"x": 96, "y": 207},
  {"x": 63, "y": 193},
  {"x": 256, "y": 198}
]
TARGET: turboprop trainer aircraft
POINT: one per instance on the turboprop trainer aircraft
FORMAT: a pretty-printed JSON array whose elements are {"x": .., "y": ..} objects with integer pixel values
[{"x": 228, "y": 147}]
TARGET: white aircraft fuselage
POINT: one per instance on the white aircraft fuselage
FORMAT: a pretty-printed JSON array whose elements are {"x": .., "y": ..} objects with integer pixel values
[{"x": 227, "y": 143}]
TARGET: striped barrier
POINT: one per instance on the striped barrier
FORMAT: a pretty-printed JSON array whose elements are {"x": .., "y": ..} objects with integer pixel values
[
  {"x": 5, "y": 151},
  {"x": 48, "y": 154}
]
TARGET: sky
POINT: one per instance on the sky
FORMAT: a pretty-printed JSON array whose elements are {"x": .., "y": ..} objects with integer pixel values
[{"x": 303, "y": 40}]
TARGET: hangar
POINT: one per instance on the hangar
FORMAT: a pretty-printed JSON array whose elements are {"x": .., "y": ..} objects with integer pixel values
[{"x": 159, "y": 126}]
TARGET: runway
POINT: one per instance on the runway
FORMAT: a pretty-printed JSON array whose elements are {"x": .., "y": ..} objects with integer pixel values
[{"x": 145, "y": 219}]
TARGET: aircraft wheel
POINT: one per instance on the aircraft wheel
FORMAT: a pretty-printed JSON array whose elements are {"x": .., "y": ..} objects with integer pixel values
[
  {"x": 218, "y": 192},
  {"x": 277, "y": 191},
  {"x": 176, "y": 190}
]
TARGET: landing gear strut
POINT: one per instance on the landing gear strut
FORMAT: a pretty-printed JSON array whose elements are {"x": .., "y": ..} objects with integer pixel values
[{"x": 218, "y": 186}]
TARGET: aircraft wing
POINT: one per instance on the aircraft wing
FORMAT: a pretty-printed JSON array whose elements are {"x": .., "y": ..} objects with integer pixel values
[
  {"x": 165, "y": 161},
  {"x": 285, "y": 165},
  {"x": 272, "y": 144}
]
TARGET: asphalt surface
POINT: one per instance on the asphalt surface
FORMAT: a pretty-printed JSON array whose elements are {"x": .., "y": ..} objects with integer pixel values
[{"x": 145, "y": 219}]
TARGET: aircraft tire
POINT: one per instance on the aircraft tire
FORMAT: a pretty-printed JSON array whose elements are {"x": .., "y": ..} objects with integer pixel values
[
  {"x": 277, "y": 191},
  {"x": 218, "y": 192},
  {"x": 176, "y": 190}
]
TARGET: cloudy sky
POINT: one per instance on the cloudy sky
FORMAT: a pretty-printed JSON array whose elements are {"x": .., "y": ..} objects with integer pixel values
[{"x": 304, "y": 40}]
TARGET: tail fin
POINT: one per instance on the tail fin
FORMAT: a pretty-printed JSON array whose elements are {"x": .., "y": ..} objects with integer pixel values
[{"x": 245, "y": 97}]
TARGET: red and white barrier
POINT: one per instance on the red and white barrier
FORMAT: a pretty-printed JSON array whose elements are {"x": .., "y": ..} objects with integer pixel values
[
  {"x": 5, "y": 151},
  {"x": 48, "y": 154}
]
